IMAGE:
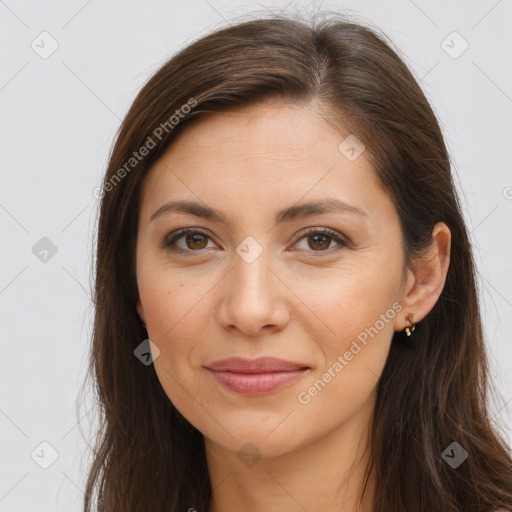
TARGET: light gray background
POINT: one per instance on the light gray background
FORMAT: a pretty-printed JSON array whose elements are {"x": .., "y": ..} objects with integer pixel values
[{"x": 59, "y": 118}]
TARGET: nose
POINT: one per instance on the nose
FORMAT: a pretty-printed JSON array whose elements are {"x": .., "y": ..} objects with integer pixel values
[{"x": 254, "y": 298}]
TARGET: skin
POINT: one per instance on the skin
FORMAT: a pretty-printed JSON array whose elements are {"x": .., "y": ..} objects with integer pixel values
[{"x": 304, "y": 299}]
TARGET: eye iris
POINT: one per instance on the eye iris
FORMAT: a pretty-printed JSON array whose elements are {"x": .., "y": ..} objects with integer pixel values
[
  {"x": 319, "y": 239},
  {"x": 196, "y": 238}
]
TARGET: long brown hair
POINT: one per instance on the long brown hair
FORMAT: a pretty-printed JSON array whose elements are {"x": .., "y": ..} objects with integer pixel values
[{"x": 433, "y": 390}]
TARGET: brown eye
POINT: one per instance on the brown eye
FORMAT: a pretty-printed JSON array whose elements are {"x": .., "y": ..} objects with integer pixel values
[
  {"x": 187, "y": 240},
  {"x": 319, "y": 241},
  {"x": 196, "y": 241}
]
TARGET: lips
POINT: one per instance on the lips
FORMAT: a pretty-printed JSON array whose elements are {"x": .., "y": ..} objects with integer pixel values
[
  {"x": 260, "y": 365},
  {"x": 256, "y": 376}
]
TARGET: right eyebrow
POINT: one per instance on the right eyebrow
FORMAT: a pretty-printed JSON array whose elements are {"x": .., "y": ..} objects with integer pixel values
[{"x": 192, "y": 207}]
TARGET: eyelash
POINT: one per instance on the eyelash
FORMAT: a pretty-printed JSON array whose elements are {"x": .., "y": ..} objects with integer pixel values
[{"x": 169, "y": 242}]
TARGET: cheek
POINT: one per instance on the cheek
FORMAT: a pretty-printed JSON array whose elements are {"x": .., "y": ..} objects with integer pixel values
[
  {"x": 176, "y": 307},
  {"x": 362, "y": 317},
  {"x": 172, "y": 300},
  {"x": 173, "y": 326},
  {"x": 341, "y": 304},
  {"x": 357, "y": 306}
]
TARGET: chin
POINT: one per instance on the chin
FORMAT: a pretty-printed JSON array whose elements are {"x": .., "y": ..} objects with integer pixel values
[{"x": 261, "y": 437}]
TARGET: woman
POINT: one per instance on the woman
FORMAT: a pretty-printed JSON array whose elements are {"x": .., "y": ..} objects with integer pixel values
[{"x": 286, "y": 311}]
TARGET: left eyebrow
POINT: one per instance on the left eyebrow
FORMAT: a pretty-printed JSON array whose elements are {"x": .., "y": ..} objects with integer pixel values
[
  {"x": 316, "y": 207},
  {"x": 288, "y": 214}
]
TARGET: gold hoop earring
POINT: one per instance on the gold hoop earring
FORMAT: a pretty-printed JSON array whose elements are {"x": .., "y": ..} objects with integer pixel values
[{"x": 410, "y": 318}]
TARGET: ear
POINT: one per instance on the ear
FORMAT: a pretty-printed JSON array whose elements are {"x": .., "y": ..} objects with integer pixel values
[
  {"x": 425, "y": 280},
  {"x": 140, "y": 310}
]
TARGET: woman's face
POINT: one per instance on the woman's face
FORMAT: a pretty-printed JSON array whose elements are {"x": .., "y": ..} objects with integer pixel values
[{"x": 262, "y": 275}]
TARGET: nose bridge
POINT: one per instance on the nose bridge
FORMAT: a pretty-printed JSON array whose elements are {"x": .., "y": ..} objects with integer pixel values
[
  {"x": 251, "y": 277},
  {"x": 252, "y": 296}
]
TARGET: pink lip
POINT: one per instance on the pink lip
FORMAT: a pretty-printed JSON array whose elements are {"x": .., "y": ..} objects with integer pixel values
[{"x": 256, "y": 376}]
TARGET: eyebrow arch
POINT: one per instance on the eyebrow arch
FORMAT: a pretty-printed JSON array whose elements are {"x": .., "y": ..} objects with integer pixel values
[{"x": 288, "y": 214}]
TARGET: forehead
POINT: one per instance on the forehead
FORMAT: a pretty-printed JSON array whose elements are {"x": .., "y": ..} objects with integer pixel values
[
  {"x": 270, "y": 130},
  {"x": 263, "y": 153}
]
